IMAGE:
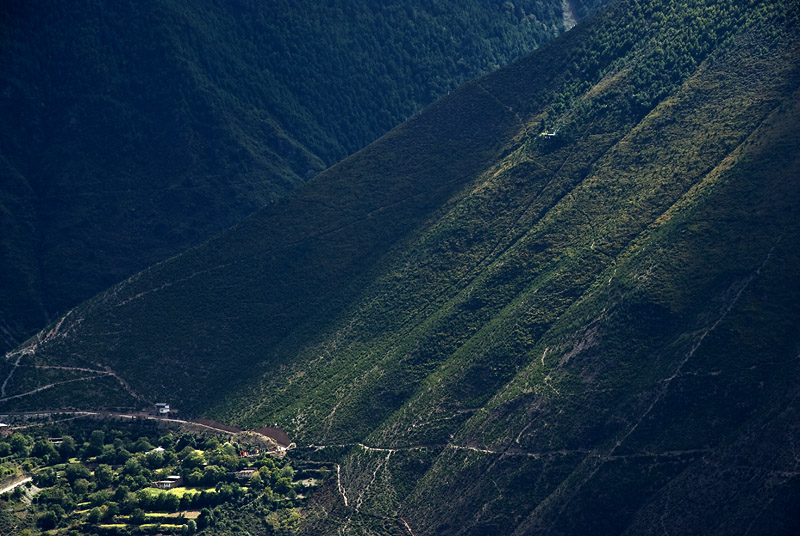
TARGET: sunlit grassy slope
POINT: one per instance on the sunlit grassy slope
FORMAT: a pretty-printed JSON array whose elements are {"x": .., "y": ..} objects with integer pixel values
[{"x": 498, "y": 332}]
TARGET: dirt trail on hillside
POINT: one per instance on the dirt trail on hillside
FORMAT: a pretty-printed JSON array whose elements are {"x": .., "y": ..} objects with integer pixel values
[
  {"x": 18, "y": 482},
  {"x": 568, "y": 14}
]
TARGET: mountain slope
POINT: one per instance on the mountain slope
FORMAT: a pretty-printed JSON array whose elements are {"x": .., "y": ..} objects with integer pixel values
[
  {"x": 675, "y": 372},
  {"x": 133, "y": 131},
  {"x": 494, "y": 331}
]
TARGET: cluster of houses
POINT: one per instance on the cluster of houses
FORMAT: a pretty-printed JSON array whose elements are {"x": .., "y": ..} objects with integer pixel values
[
  {"x": 162, "y": 409},
  {"x": 174, "y": 481}
]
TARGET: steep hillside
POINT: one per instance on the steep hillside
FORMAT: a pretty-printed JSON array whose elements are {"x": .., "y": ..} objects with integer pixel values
[
  {"x": 494, "y": 330},
  {"x": 134, "y": 130}
]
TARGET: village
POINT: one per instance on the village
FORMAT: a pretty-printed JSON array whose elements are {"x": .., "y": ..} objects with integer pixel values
[{"x": 126, "y": 473}]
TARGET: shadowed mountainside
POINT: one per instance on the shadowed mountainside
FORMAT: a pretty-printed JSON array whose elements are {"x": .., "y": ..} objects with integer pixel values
[
  {"x": 135, "y": 130},
  {"x": 495, "y": 331}
]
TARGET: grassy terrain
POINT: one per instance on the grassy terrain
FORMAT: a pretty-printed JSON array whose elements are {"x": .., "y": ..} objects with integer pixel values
[{"x": 492, "y": 331}]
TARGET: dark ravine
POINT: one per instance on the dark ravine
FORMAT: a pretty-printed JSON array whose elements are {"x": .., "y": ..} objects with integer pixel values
[
  {"x": 489, "y": 329},
  {"x": 135, "y": 131}
]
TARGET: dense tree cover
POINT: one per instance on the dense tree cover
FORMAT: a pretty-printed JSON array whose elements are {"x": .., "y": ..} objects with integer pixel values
[
  {"x": 134, "y": 130},
  {"x": 77, "y": 491},
  {"x": 668, "y": 42}
]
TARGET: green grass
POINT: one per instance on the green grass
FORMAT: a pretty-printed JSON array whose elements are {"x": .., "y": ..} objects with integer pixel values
[{"x": 180, "y": 491}]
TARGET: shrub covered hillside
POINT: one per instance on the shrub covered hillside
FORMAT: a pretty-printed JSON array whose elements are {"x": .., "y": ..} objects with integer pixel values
[
  {"x": 561, "y": 300},
  {"x": 132, "y": 130}
]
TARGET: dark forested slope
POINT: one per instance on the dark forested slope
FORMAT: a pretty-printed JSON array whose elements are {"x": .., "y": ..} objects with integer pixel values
[
  {"x": 493, "y": 330},
  {"x": 132, "y": 130}
]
